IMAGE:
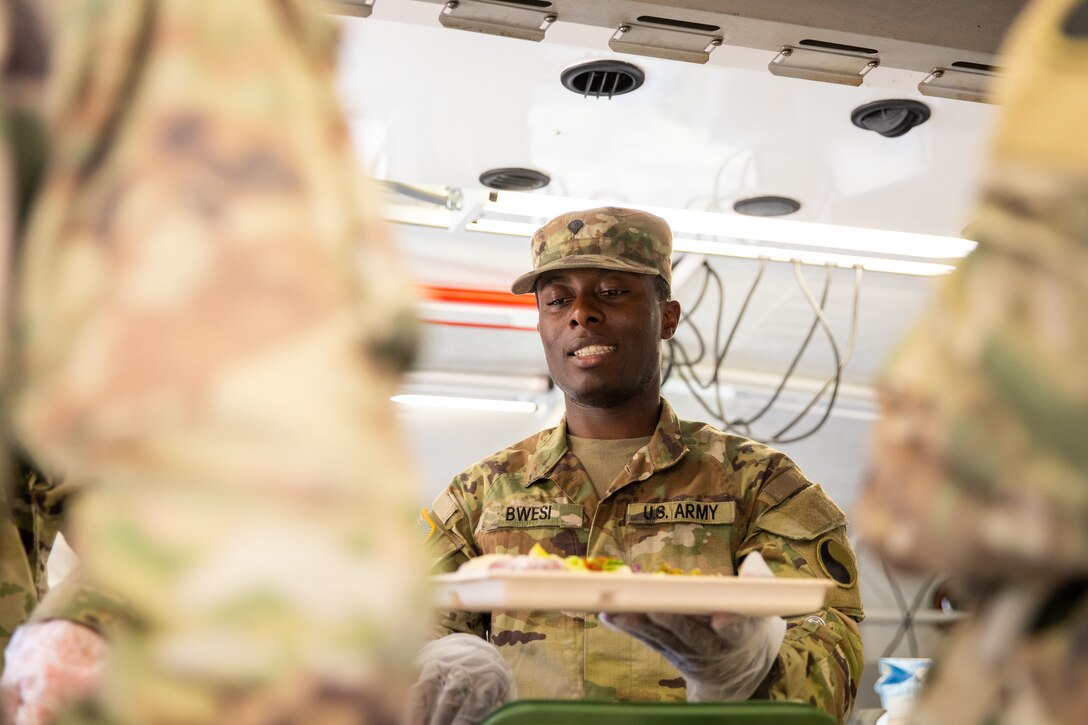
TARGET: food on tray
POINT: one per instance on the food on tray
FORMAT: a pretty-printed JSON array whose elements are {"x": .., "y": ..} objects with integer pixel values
[{"x": 540, "y": 560}]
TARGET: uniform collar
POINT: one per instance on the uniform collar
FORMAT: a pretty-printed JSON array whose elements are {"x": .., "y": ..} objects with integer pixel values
[{"x": 665, "y": 448}]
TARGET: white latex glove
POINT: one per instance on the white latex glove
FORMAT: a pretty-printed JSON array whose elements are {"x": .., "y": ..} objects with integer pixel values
[
  {"x": 462, "y": 678},
  {"x": 721, "y": 656},
  {"x": 48, "y": 666}
]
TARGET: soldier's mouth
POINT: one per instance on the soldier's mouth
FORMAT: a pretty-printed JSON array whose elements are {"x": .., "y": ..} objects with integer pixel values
[{"x": 594, "y": 350}]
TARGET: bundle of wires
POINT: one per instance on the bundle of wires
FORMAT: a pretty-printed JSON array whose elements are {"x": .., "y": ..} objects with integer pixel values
[{"x": 709, "y": 392}]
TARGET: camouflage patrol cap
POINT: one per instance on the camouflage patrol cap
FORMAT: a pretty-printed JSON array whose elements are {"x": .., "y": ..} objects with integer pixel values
[{"x": 609, "y": 237}]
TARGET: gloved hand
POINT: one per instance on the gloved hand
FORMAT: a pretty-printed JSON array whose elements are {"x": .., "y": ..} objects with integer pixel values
[
  {"x": 462, "y": 678},
  {"x": 48, "y": 666},
  {"x": 721, "y": 656}
]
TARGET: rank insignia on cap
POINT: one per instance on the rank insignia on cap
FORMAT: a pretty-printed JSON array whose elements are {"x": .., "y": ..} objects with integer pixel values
[{"x": 576, "y": 226}]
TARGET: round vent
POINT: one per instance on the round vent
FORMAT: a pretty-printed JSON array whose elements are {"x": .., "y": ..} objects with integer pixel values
[
  {"x": 514, "y": 179},
  {"x": 890, "y": 118},
  {"x": 766, "y": 206},
  {"x": 599, "y": 78}
]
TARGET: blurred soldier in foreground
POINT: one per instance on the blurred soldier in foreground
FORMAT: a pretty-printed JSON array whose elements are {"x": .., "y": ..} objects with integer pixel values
[
  {"x": 981, "y": 461},
  {"x": 622, "y": 476},
  {"x": 29, "y": 509},
  {"x": 197, "y": 353}
]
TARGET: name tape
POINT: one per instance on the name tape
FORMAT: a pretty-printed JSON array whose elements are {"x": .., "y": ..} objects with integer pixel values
[{"x": 686, "y": 512}]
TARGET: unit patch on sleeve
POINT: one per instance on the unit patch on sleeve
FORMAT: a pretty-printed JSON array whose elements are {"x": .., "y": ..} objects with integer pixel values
[
  {"x": 681, "y": 512},
  {"x": 426, "y": 526}
]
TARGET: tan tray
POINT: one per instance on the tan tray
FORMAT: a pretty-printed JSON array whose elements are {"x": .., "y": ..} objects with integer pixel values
[{"x": 601, "y": 592}]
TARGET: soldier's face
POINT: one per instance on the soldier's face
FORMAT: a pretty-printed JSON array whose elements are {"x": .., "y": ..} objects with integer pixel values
[{"x": 602, "y": 333}]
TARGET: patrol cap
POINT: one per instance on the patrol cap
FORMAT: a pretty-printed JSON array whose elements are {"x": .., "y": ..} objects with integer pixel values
[{"x": 609, "y": 237}]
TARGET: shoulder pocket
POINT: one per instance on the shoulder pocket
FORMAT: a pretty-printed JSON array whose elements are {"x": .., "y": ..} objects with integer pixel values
[
  {"x": 439, "y": 527},
  {"x": 804, "y": 516}
]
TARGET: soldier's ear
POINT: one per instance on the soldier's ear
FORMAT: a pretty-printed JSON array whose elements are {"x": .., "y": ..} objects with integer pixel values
[{"x": 670, "y": 318}]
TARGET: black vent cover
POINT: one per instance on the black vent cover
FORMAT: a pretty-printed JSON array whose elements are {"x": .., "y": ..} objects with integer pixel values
[
  {"x": 602, "y": 78},
  {"x": 766, "y": 206},
  {"x": 514, "y": 179},
  {"x": 890, "y": 118}
]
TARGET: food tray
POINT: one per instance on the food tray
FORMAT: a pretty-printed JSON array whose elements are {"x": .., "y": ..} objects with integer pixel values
[{"x": 500, "y": 590}]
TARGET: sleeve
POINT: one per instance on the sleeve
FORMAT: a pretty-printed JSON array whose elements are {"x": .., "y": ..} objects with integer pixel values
[
  {"x": 449, "y": 526},
  {"x": 40, "y": 514},
  {"x": 32, "y": 512},
  {"x": 18, "y": 593},
  {"x": 801, "y": 533},
  {"x": 78, "y": 600}
]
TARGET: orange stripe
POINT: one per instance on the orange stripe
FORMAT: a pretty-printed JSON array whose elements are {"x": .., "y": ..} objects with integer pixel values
[
  {"x": 484, "y": 325},
  {"x": 477, "y": 296}
]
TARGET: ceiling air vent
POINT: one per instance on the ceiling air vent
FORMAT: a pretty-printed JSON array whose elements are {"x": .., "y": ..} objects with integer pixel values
[
  {"x": 514, "y": 179},
  {"x": 766, "y": 206},
  {"x": 602, "y": 78},
  {"x": 890, "y": 118}
]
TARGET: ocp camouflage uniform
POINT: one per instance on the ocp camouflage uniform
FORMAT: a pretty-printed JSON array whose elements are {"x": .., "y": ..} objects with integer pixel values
[
  {"x": 981, "y": 464},
  {"x": 694, "y": 497},
  {"x": 29, "y": 509},
  {"x": 28, "y": 528},
  {"x": 210, "y": 324}
]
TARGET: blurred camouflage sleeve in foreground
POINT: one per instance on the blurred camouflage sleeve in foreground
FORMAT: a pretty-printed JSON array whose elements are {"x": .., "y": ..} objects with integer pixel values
[
  {"x": 209, "y": 326},
  {"x": 980, "y": 465},
  {"x": 30, "y": 508}
]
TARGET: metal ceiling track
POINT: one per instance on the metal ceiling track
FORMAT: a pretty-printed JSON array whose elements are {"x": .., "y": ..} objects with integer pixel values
[{"x": 953, "y": 42}]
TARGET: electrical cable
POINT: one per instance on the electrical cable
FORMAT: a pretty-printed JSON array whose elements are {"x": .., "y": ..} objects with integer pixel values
[
  {"x": 840, "y": 361},
  {"x": 682, "y": 363},
  {"x": 685, "y": 368},
  {"x": 906, "y": 625},
  {"x": 796, "y": 358}
]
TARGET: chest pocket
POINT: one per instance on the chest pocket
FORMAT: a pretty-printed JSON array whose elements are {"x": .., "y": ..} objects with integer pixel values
[
  {"x": 514, "y": 525},
  {"x": 685, "y": 534}
]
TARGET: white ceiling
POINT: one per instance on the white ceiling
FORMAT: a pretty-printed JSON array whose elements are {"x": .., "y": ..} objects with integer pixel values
[
  {"x": 437, "y": 106},
  {"x": 432, "y": 105}
]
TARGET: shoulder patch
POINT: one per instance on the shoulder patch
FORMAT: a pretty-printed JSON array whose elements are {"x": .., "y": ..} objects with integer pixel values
[
  {"x": 836, "y": 562},
  {"x": 426, "y": 526}
]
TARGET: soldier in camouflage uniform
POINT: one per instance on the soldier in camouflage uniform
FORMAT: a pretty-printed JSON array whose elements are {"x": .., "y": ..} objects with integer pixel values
[
  {"x": 29, "y": 512},
  {"x": 981, "y": 464},
  {"x": 622, "y": 476},
  {"x": 198, "y": 352}
]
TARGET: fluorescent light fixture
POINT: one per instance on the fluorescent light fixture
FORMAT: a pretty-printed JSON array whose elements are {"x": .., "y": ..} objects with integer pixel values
[
  {"x": 456, "y": 403},
  {"x": 725, "y": 234},
  {"x": 779, "y": 254},
  {"x": 752, "y": 251},
  {"x": 765, "y": 229},
  {"x": 511, "y": 384}
]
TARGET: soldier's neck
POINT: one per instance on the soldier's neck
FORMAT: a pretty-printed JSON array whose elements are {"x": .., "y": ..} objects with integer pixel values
[{"x": 636, "y": 418}]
